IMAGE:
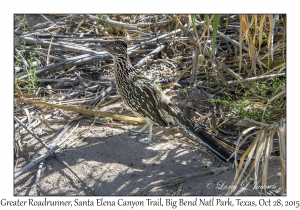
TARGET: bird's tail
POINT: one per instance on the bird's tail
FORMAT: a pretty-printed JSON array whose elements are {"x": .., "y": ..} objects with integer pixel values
[{"x": 198, "y": 134}]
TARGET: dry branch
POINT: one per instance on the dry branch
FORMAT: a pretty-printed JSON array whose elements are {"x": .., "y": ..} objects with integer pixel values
[
  {"x": 50, "y": 151},
  {"x": 256, "y": 78},
  {"x": 36, "y": 161},
  {"x": 60, "y": 46},
  {"x": 70, "y": 62},
  {"x": 115, "y": 23},
  {"x": 149, "y": 56},
  {"x": 85, "y": 111}
]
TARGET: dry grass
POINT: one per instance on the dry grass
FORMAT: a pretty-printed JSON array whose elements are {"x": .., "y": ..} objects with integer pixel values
[{"x": 255, "y": 159}]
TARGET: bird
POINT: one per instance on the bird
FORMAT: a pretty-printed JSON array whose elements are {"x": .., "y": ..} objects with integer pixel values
[{"x": 146, "y": 99}]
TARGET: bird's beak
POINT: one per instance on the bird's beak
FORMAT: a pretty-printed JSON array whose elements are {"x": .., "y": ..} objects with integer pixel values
[{"x": 98, "y": 47}]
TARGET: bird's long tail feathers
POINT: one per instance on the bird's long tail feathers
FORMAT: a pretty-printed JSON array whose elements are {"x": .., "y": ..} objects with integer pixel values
[{"x": 198, "y": 134}]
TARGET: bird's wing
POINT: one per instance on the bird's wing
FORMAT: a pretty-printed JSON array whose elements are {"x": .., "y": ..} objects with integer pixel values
[{"x": 148, "y": 103}]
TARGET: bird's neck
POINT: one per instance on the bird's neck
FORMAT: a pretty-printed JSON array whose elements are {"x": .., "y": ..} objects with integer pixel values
[
  {"x": 123, "y": 66},
  {"x": 121, "y": 61}
]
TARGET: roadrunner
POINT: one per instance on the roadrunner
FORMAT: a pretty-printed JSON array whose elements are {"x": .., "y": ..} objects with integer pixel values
[{"x": 146, "y": 100}]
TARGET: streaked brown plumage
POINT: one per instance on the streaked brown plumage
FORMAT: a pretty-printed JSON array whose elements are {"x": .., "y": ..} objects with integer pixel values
[{"x": 146, "y": 100}]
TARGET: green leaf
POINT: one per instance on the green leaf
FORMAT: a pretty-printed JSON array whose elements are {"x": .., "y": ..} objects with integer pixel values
[
  {"x": 216, "y": 21},
  {"x": 193, "y": 17},
  {"x": 187, "y": 93},
  {"x": 206, "y": 19}
]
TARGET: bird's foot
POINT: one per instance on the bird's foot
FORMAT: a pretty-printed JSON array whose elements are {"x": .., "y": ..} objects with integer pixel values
[
  {"x": 136, "y": 133},
  {"x": 146, "y": 141}
]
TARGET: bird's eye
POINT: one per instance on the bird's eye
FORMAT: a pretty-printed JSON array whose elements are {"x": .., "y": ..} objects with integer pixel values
[{"x": 118, "y": 48}]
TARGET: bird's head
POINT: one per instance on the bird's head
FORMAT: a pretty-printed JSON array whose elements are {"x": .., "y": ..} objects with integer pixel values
[{"x": 115, "y": 48}]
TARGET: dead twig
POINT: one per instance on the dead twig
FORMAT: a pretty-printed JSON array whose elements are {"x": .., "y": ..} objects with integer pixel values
[
  {"x": 50, "y": 151},
  {"x": 256, "y": 78},
  {"x": 149, "y": 56},
  {"x": 85, "y": 111},
  {"x": 36, "y": 161},
  {"x": 69, "y": 62},
  {"x": 37, "y": 180}
]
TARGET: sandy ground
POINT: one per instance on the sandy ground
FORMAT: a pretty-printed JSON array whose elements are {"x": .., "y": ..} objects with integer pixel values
[{"x": 111, "y": 162}]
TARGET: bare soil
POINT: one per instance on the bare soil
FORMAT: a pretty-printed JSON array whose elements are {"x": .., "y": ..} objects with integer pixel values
[{"x": 112, "y": 162}]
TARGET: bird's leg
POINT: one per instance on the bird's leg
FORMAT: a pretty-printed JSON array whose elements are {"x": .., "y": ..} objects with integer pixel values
[
  {"x": 148, "y": 127},
  {"x": 140, "y": 132},
  {"x": 148, "y": 141}
]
